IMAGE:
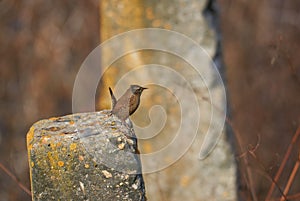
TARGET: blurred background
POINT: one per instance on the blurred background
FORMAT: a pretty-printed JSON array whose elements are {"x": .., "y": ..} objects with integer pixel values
[{"x": 43, "y": 44}]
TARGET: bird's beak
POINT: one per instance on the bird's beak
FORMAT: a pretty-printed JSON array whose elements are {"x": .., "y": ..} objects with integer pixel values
[{"x": 144, "y": 88}]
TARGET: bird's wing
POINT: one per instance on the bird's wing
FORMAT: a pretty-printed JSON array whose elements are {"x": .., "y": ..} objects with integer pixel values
[{"x": 113, "y": 98}]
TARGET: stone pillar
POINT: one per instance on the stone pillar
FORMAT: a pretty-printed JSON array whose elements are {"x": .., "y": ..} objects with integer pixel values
[
  {"x": 184, "y": 103},
  {"x": 87, "y": 156}
]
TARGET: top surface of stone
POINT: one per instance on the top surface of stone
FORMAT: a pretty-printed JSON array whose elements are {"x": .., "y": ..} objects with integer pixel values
[
  {"x": 104, "y": 137},
  {"x": 81, "y": 125}
]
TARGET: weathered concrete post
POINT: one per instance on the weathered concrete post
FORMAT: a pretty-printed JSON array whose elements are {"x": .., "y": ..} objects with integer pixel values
[{"x": 86, "y": 156}]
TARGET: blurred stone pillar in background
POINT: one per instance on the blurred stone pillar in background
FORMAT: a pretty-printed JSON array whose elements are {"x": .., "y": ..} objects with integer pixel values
[
  {"x": 117, "y": 17},
  {"x": 165, "y": 107}
]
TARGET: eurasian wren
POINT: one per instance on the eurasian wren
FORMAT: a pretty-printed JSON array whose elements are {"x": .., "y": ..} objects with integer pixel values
[{"x": 128, "y": 103}]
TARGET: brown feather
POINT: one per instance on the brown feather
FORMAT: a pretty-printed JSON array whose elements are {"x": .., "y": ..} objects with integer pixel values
[{"x": 128, "y": 103}]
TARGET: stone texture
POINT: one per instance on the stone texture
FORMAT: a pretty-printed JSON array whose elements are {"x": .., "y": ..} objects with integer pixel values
[{"x": 86, "y": 156}]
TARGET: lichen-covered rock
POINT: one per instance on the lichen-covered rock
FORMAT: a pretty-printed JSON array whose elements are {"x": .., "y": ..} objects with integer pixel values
[{"x": 87, "y": 156}]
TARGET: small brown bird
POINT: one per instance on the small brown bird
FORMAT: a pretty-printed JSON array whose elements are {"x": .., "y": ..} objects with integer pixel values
[{"x": 128, "y": 103}]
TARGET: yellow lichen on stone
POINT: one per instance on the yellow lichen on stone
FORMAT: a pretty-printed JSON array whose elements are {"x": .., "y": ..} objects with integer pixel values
[
  {"x": 73, "y": 146},
  {"x": 53, "y": 118},
  {"x": 53, "y": 159},
  {"x": 60, "y": 163},
  {"x": 53, "y": 146},
  {"x": 80, "y": 157},
  {"x": 45, "y": 139},
  {"x": 30, "y": 136},
  {"x": 58, "y": 144}
]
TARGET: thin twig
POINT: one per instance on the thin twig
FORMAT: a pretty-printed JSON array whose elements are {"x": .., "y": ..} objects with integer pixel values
[
  {"x": 252, "y": 153},
  {"x": 289, "y": 197},
  {"x": 283, "y": 163},
  {"x": 248, "y": 176},
  {"x": 11, "y": 175},
  {"x": 293, "y": 197},
  {"x": 291, "y": 178}
]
